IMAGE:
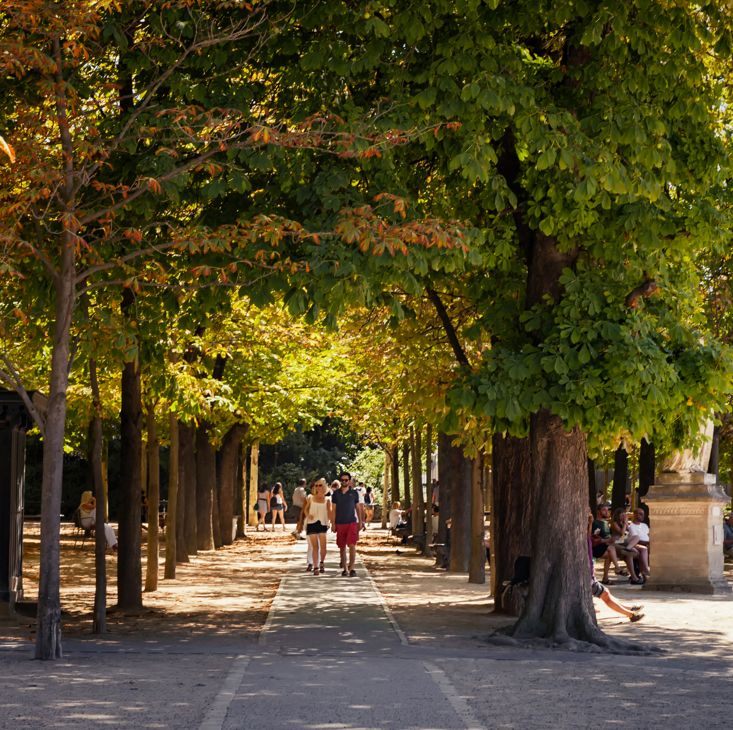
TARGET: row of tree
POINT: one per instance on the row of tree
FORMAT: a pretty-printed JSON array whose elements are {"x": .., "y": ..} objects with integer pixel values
[{"x": 509, "y": 208}]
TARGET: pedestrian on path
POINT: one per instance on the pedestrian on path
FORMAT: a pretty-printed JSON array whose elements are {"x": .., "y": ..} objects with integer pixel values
[
  {"x": 317, "y": 510},
  {"x": 263, "y": 505},
  {"x": 368, "y": 506},
  {"x": 347, "y": 519},
  {"x": 278, "y": 505},
  {"x": 299, "y": 497}
]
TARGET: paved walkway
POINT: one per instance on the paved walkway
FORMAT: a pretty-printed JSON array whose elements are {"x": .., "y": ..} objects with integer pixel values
[{"x": 333, "y": 659}]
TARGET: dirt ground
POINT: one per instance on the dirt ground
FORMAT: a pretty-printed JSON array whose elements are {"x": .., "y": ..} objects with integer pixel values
[
  {"x": 222, "y": 597},
  {"x": 219, "y": 597},
  {"x": 439, "y": 609}
]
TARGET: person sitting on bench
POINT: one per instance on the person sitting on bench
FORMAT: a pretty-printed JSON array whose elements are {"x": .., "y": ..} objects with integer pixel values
[
  {"x": 88, "y": 519},
  {"x": 395, "y": 516}
]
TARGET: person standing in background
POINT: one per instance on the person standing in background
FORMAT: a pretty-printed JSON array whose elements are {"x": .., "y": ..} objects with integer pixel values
[{"x": 299, "y": 498}]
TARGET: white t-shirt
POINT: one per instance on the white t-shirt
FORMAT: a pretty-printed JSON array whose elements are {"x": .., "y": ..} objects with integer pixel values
[
  {"x": 299, "y": 497},
  {"x": 641, "y": 530},
  {"x": 395, "y": 517},
  {"x": 361, "y": 492}
]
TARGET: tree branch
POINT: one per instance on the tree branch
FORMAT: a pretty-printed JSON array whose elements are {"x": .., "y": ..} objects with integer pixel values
[
  {"x": 643, "y": 290},
  {"x": 16, "y": 384},
  {"x": 447, "y": 326}
]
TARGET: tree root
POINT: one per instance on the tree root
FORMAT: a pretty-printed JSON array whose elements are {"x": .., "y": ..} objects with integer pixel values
[{"x": 597, "y": 643}]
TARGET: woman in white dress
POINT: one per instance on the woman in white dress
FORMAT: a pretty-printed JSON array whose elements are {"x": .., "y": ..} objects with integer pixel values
[
  {"x": 317, "y": 510},
  {"x": 88, "y": 519}
]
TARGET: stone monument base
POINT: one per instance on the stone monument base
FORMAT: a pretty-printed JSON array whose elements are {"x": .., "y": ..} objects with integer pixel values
[{"x": 686, "y": 534}]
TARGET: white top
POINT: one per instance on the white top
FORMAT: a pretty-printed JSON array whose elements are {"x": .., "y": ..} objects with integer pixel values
[
  {"x": 361, "y": 492},
  {"x": 395, "y": 517},
  {"x": 641, "y": 530},
  {"x": 318, "y": 512},
  {"x": 299, "y": 497}
]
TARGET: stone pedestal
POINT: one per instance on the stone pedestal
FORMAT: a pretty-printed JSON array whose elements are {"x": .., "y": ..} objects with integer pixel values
[{"x": 686, "y": 534}]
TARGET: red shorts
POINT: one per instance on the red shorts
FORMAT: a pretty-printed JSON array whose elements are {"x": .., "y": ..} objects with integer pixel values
[{"x": 347, "y": 534}]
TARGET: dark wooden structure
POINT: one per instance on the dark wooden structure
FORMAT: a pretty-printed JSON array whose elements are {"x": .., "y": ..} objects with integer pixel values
[{"x": 15, "y": 420}]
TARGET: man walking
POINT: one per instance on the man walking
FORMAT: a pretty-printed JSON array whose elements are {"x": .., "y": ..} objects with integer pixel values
[
  {"x": 299, "y": 497},
  {"x": 347, "y": 519}
]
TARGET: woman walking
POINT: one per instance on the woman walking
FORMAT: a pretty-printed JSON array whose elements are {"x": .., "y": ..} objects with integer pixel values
[
  {"x": 263, "y": 506},
  {"x": 369, "y": 505},
  {"x": 317, "y": 510},
  {"x": 278, "y": 505}
]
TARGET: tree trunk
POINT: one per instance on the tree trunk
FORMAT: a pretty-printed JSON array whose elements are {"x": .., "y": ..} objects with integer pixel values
[
  {"x": 189, "y": 485},
  {"x": 215, "y": 523},
  {"x": 99, "y": 622},
  {"x": 620, "y": 476},
  {"x": 241, "y": 490},
  {"x": 254, "y": 470},
  {"x": 647, "y": 473},
  {"x": 396, "y": 473},
  {"x": 477, "y": 566},
  {"x": 417, "y": 513},
  {"x": 385, "y": 491},
  {"x": 511, "y": 510},
  {"x": 151, "y": 574},
  {"x": 185, "y": 447},
  {"x": 714, "y": 464},
  {"x": 445, "y": 479},
  {"x": 406, "y": 473},
  {"x": 205, "y": 484},
  {"x": 592, "y": 491},
  {"x": 173, "y": 484},
  {"x": 460, "y": 514},
  {"x": 129, "y": 560},
  {"x": 559, "y": 606},
  {"x": 227, "y": 479},
  {"x": 429, "y": 492}
]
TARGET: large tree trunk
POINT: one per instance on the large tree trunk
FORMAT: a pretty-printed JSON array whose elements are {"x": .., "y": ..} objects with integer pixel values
[
  {"x": 227, "y": 479},
  {"x": 129, "y": 561},
  {"x": 173, "y": 484},
  {"x": 417, "y": 513},
  {"x": 99, "y": 623},
  {"x": 477, "y": 566},
  {"x": 620, "y": 477},
  {"x": 559, "y": 606},
  {"x": 151, "y": 574},
  {"x": 511, "y": 510},
  {"x": 185, "y": 448},
  {"x": 189, "y": 509},
  {"x": 460, "y": 513},
  {"x": 205, "y": 485}
]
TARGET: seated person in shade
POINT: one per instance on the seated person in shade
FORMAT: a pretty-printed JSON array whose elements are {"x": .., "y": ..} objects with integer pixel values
[
  {"x": 603, "y": 542},
  {"x": 88, "y": 518},
  {"x": 435, "y": 518},
  {"x": 395, "y": 516},
  {"x": 728, "y": 536},
  {"x": 639, "y": 540}
]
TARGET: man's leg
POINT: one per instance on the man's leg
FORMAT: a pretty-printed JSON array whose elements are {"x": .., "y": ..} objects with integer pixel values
[
  {"x": 643, "y": 559},
  {"x": 343, "y": 558},
  {"x": 352, "y": 556},
  {"x": 613, "y": 604}
]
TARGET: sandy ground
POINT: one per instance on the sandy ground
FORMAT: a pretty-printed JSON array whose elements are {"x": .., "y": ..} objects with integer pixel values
[
  {"x": 163, "y": 667},
  {"x": 221, "y": 597},
  {"x": 440, "y": 609}
]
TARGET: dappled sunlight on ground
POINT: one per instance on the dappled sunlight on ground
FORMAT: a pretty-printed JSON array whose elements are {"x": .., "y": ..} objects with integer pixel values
[{"x": 220, "y": 596}]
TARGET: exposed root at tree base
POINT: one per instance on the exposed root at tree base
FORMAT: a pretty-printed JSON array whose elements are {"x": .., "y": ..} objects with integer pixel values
[{"x": 602, "y": 644}]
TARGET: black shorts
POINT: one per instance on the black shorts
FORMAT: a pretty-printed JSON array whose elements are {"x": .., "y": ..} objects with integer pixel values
[
  {"x": 600, "y": 550},
  {"x": 277, "y": 507},
  {"x": 315, "y": 528},
  {"x": 597, "y": 589}
]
